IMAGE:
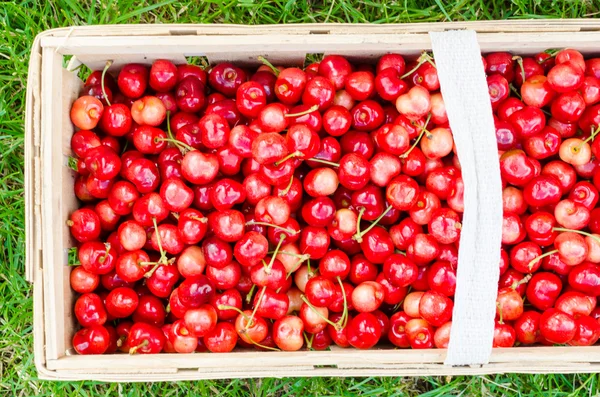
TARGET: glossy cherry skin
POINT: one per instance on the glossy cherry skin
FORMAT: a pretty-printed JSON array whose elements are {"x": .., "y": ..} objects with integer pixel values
[
  {"x": 377, "y": 245},
  {"x": 509, "y": 304},
  {"x": 423, "y": 249},
  {"x": 587, "y": 331},
  {"x": 194, "y": 291},
  {"x": 527, "y": 328},
  {"x": 557, "y": 327},
  {"x": 144, "y": 174},
  {"x": 402, "y": 193},
  {"x": 367, "y": 116},
  {"x": 320, "y": 291},
  {"x": 199, "y": 168},
  {"x": 91, "y": 340},
  {"x": 287, "y": 333},
  {"x": 251, "y": 248},
  {"x": 121, "y": 302},
  {"x": 363, "y": 331},
  {"x": 85, "y": 225},
  {"x": 133, "y": 80},
  {"x": 226, "y": 78},
  {"x": 565, "y": 77},
  {"x": 399, "y": 270},
  {"x": 148, "y": 207},
  {"x": 586, "y": 278},
  {"x": 441, "y": 277},
  {"x": 89, "y": 310},
  {"x": 319, "y": 91},
  {"x": 543, "y": 289},
  {"x": 500, "y": 63},
  {"x": 162, "y": 281},
  {"x": 435, "y": 308},
  {"x": 336, "y": 69},
  {"x": 504, "y": 335},
  {"x": 289, "y": 85},
  {"x": 419, "y": 333},
  {"x": 145, "y": 339}
]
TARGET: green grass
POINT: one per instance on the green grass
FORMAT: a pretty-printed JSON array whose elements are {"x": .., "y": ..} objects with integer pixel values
[{"x": 21, "y": 20}]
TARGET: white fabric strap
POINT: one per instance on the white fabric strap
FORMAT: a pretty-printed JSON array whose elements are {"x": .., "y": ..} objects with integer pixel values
[{"x": 464, "y": 89}]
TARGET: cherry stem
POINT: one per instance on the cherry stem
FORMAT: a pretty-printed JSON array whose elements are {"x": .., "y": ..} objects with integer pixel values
[
  {"x": 290, "y": 231},
  {"x": 262, "y": 293},
  {"x": 227, "y": 307},
  {"x": 121, "y": 340},
  {"x": 69, "y": 222},
  {"x": 308, "y": 267},
  {"x": 203, "y": 220},
  {"x": 589, "y": 138},
  {"x": 269, "y": 64},
  {"x": 249, "y": 295},
  {"x": 287, "y": 188},
  {"x": 72, "y": 163},
  {"x": 343, "y": 321},
  {"x": 297, "y": 153},
  {"x": 500, "y": 321},
  {"x": 361, "y": 211},
  {"x": 263, "y": 346},
  {"x": 424, "y": 58},
  {"x": 134, "y": 349},
  {"x": 331, "y": 163},
  {"x": 400, "y": 252},
  {"x": 150, "y": 272},
  {"x": 424, "y": 130},
  {"x": 551, "y": 52},
  {"x": 180, "y": 145},
  {"x": 163, "y": 254},
  {"x": 108, "y": 63},
  {"x": 516, "y": 92},
  {"x": 313, "y": 108},
  {"x": 175, "y": 215},
  {"x": 358, "y": 236},
  {"x": 524, "y": 280},
  {"x": 301, "y": 256},
  {"x": 169, "y": 132},
  {"x": 308, "y": 341},
  {"x": 539, "y": 258},
  {"x": 318, "y": 313},
  {"x": 281, "y": 240},
  {"x": 590, "y": 235},
  {"x": 520, "y": 63}
]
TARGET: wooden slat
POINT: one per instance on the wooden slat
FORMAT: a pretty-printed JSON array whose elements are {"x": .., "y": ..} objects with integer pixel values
[{"x": 346, "y": 358}]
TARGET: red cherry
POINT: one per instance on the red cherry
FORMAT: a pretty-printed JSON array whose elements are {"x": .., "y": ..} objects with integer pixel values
[
  {"x": 133, "y": 80},
  {"x": 557, "y": 327},
  {"x": 587, "y": 331},
  {"x": 419, "y": 333},
  {"x": 504, "y": 335},
  {"x": 527, "y": 328},
  {"x": 288, "y": 333},
  {"x": 363, "y": 331},
  {"x": 435, "y": 308},
  {"x": 145, "y": 339},
  {"x": 90, "y": 310},
  {"x": 92, "y": 340},
  {"x": 226, "y": 78},
  {"x": 543, "y": 289},
  {"x": 565, "y": 77}
]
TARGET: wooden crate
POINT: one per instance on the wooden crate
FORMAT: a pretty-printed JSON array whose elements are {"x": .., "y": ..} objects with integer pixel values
[{"x": 49, "y": 187}]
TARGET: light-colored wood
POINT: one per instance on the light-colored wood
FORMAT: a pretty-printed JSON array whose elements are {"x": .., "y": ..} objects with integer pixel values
[
  {"x": 51, "y": 90},
  {"x": 342, "y": 358}
]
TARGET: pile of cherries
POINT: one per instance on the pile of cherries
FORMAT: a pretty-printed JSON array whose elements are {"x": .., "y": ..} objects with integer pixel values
[{"x": 284, "y": 208}]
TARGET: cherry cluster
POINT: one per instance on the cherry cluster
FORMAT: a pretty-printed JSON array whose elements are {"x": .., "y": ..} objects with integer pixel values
[{"x": 284, "y": 208}]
